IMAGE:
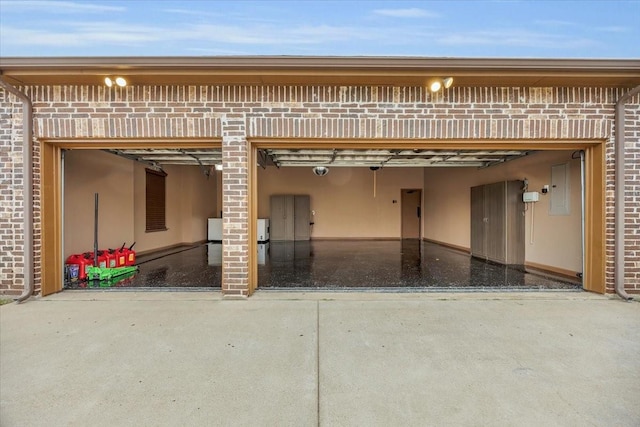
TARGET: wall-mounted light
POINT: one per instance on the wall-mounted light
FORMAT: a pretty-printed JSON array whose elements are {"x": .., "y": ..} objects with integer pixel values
[
  {"x": 119, "y": 81},
  {"x": 437, "y": 84}
]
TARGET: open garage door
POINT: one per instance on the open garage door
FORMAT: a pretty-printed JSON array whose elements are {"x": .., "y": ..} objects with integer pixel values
[
  {"x": 354, "y": 218},
  {"x": 356, "y": 226},
  {"x": 171, "y": 250}
]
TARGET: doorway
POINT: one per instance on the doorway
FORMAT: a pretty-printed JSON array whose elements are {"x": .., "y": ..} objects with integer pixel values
[{"x": 411, "y": 202}]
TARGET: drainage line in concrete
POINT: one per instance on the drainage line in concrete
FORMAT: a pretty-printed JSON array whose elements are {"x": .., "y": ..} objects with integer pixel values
[
  {"x": 620, "y": 193},
  {"x": 27, "y": 192}
]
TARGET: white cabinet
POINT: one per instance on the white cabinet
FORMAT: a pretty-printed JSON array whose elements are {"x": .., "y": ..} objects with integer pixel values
[
  {"x": 263, "y": 230},
  {"x": 214, "y": 230}
]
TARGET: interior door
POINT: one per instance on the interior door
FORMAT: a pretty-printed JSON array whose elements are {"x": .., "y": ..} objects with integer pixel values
[{"x": 411, "y": 200}]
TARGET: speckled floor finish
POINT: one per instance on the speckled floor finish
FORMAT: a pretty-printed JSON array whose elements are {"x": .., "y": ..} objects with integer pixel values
[{"x": 336, "y": 265}]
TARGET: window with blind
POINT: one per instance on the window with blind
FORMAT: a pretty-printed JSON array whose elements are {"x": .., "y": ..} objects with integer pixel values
[{"x": 155, "y": 200}]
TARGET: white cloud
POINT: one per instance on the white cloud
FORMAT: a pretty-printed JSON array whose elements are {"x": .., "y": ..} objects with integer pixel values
[
  {"x": 191, "y": 12},
  {"x": 406, "y": 13},
  {"x": 515, "y": 38},
  {"x": 106, "y": 33},
  {"x": 555, "y": 23},
  {"x": 613, "y": 29},
  {"x": 60, "y": 6},
  {"x": 87, "y": 33}
]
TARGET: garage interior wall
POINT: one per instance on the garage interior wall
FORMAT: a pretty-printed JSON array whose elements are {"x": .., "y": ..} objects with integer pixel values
[
  {"x": 89, "y": 172},
  {"x": 191, "y": 199},
  {"x": 343, "y": 200},
  {"x": 556, "y": 239}
]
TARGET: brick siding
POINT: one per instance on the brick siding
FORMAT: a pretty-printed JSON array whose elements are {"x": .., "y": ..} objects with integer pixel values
[{"x": 237, "y": 113}]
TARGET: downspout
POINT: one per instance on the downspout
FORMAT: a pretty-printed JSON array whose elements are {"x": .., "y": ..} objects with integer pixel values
[
  {"x": 583, "y": 214},
  {"x": 620, "y": 196},
  {"x": 583, "y": 187},
  {"x": 27, "y": 192}
]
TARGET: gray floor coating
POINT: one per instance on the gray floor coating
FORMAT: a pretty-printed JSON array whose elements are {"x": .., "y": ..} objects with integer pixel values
[{"x": 307, "y": 359}]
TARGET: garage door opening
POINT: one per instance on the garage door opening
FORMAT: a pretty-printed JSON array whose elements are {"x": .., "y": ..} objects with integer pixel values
[
  {"x": 358, "y": 234},
  {"x": 354, "y": 196},
  {"x": 156, "y": 203}
]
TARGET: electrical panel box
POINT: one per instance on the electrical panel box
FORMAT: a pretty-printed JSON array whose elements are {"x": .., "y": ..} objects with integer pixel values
[{"x": 530, "y": 196}]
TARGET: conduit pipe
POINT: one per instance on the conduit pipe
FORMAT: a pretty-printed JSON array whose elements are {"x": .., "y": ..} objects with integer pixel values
[
  {"x": 620, "y": 196},
  {"x": 27, "y": 192}
]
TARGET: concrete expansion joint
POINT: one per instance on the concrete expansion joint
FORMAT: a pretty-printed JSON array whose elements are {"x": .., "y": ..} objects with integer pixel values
[{"x": 234, "y": 297}]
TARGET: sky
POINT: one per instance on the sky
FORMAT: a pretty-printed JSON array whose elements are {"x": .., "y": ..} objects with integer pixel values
[{"x": 455, "y": 28}]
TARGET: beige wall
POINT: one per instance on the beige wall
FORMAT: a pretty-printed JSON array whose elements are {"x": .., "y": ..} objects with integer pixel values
[
  {"x": 191, "y": 199},
  {"x": 343, "y": 200},
  {"x": 86, "y": 173},
  {"x": 556, "y": 240},
  {"x": 200, "y": 205}
]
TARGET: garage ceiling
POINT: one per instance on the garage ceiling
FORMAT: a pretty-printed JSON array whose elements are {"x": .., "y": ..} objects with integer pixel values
[{"x": 206, "y": 158}]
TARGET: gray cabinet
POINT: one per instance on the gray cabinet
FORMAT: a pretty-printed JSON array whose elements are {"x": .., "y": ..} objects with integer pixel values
[
  {"x": 497, "y": 222},
  {"x": 290, "y": 216}
]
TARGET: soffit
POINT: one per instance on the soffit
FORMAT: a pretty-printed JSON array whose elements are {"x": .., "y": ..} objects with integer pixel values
[{"x": 397, "y": 71}]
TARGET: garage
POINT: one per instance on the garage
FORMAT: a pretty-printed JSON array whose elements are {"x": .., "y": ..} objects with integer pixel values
[
  {"x": 386, "y": 219},
  {"x": 155, "y": 202},
  {"x": 400, "y": 219},
  {"x": 379, "y": 126}
]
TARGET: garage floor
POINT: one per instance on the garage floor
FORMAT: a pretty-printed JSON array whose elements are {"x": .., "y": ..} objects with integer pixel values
[{"x": 396, "y": 265}]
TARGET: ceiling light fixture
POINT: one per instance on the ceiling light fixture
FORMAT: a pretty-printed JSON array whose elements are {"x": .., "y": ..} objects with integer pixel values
[
  {"x": 119, "y": 81},
  {"x": 321, "y": 170}
]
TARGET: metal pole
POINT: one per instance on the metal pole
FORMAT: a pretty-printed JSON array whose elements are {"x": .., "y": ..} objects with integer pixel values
[
  {"x": 95, "y": 233},
  {"x": 582, "y": 201}
]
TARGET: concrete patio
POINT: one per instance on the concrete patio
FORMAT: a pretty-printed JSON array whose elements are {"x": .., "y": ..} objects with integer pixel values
[{"x": 306, "y": 359}]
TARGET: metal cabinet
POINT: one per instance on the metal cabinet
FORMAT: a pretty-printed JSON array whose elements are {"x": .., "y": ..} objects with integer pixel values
[
  {"x": 497, "y": 222},
  {"x": 290, "y": 216}
]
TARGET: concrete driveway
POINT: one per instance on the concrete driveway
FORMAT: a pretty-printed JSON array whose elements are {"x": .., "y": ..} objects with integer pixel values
[{"x": 307, "y": 359}]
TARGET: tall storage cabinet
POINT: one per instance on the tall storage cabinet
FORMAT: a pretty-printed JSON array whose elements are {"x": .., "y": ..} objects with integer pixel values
[
  {"x": 290, "y": 217},
  {"x": 497, "y": 222}
]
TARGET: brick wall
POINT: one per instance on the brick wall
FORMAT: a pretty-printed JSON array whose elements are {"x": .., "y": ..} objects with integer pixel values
[
  {"x": 11, "y": 200},
  {"x": 632, "y": 197},
  {"x": 236, "y": 113}
]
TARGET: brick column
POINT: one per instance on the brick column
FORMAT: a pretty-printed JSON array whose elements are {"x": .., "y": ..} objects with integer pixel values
[{"x": 235, "y": 208}]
